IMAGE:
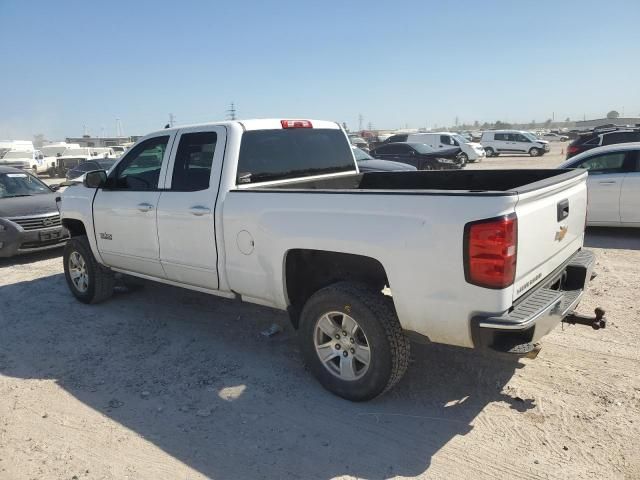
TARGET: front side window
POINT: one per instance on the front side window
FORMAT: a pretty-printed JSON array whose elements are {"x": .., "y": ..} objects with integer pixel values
[
  {"x": 500, "y": 136},
  {"x": 140, "y": 168},
  {"x": 522, "y": 138},
  {"x": 192, "y": 168},
  {"x": 608, "y": 162}
]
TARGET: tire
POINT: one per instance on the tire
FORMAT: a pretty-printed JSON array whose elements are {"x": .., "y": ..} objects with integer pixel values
[
  {"x": 489, "y": 152},
  {"x": 464, "y": 159},
  {"x": 534, "y": 152},
  {"x": 377, "y": 331},
  {"x": 98, "y": 281}
]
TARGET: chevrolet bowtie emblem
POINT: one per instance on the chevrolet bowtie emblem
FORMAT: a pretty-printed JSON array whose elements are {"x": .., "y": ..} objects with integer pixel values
[{"x": 560, "y": 234}]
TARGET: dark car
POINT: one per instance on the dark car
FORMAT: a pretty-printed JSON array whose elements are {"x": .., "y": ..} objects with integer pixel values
[
  {"x": 89, "y": 166},
  {"x": 29, "y": 217},
  {"x": 366, "y": 163},
  {"x": 602, "y": 136},
  {"x": 419, "y": 155}
]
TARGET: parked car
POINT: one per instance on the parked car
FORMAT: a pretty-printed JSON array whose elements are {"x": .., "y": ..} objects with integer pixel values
[
  {"x": 554, "y": 137},
  {"x": 613, "y": 183},
  {"x": 602, "y": 136},
  {"x": 358, "y": 141},
  {"x": 496, "y": 142},
  {"x": 72, "y": 158},
  {"x": 419, "y": 155},
  {"x": 366, "y": 163},
  {"x": 27, "y": 160},
  {"x": 469, "y": 151},
  {"x": 89, "y": 165},
  {"x": 274, "y": 212},
  {"x": 29, "y": 217}
]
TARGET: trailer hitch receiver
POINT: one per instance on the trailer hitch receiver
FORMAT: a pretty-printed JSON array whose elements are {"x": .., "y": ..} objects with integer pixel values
[{"x": 597, "y": 322}]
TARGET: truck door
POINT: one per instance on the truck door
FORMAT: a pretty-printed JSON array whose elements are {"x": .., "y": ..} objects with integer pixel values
[
  {"x": 186, "y": 223},
  {"x": 606, "y": 174},
  {"x": 630, "y": 193},
  {"x": 124, "y": 211}
]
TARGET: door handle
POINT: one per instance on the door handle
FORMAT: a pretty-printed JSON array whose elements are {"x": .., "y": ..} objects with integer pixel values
[
  {"x": 607, "y": 182},
  {"x": 145, "y": 207},
  {"x": 199, "y": 210}
]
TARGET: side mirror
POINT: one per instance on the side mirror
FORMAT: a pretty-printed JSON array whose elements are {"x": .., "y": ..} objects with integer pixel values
[
  {"x": 95, "y": 179},
  {"x": 55, "y": 187}
]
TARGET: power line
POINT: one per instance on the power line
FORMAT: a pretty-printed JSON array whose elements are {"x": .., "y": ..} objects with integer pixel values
[{"x": 231, "y": 112}]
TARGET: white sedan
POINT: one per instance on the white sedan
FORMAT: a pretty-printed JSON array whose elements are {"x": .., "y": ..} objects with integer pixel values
[
  {"x": 554, "y": 137},
  {"x": 613, "y": 183}
]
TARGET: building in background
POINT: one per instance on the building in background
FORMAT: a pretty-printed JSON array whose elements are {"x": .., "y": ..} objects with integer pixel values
[{"x": 601, "y": 122}]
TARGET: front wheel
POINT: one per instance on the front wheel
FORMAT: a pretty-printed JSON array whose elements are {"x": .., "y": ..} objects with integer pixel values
[
  {"x": 89, "y": 281},
  {"x": 489, "y": 152},
  {"x": 463, "y": 158},
  {"x": 534, "y": 152},
  {"x": 352, "y": 341}
]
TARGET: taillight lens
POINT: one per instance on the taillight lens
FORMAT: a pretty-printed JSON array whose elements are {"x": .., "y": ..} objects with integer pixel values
[
  {"x": 571, "y": 149},
  {"x": 490, "y": 251}
]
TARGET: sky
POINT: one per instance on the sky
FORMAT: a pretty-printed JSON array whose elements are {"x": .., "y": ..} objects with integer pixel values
[{"x": 67, "y": 66}]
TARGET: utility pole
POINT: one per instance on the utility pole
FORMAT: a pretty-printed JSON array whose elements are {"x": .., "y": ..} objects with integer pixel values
[
  {"x": 118, "y": 128},
  {"x": 360, "y": 122},
  {"x": 172, "y": 120},
  {"x": 231, "y": 113},
  {"x": 370, "y": 126}
]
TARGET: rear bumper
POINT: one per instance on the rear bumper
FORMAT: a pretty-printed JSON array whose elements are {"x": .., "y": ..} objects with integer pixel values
[{"x": 536, "y": 315}]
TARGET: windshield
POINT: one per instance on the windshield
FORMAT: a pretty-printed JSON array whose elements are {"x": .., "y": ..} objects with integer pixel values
[
  {"x": 460, "y": 139},
  {"x": 20, "y": 185},
  {"x": 17, "y": 154},
  {"x": 530, "y": 136},
  {"x": 361, "y": 155},
  {"x": 422, "y": 148},
  {"x": 106, "y": 164}
]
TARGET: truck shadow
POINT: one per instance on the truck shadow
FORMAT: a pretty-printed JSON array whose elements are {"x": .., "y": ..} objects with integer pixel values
[
  {"x": 193, "y": 375},
  {"x": 31, "y": 257},
  {"x": 610, "y": 237}
]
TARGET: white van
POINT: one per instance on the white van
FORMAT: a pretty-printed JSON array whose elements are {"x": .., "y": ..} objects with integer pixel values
[
  {"x": 496, "y": 142},
  {"x": 470, "y": 152},
  {"x": 32, "y": 160}
]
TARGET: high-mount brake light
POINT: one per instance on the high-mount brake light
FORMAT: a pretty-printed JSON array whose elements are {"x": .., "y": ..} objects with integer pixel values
[
  {"x": 296, "y": 124},
  {"x": 490, "y": 251}
]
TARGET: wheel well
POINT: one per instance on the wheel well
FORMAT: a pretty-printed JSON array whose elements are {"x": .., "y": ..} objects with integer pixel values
[
  {"x": 307, "y": 271},
  {"x": 75, "y": 227}
]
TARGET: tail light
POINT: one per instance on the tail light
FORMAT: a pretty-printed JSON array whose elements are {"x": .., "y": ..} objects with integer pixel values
[
  {"x": 490, "y": 251},
  {"x": 296, "y": 124},
  {"x": 572, "y": 149}
]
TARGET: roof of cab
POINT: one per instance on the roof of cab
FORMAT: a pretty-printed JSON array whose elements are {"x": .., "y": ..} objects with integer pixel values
[{"x": 256, "y": 124}]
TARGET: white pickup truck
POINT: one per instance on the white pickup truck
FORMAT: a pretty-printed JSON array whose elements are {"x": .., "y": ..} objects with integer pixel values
[{"x": 275, "y": 212}]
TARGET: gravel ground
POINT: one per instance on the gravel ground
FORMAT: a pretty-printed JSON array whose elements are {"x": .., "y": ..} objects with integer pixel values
[{"x": 163, "y": 383}]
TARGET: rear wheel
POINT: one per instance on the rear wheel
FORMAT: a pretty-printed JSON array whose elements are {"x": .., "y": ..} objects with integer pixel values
[
  {"x": 352, "y": 341},
  {"x": 534, "y": 152},
  {"x": 89, "y": 281}
]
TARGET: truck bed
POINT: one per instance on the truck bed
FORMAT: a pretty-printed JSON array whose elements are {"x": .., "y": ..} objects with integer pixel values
[{"x": 450, "y": 182}]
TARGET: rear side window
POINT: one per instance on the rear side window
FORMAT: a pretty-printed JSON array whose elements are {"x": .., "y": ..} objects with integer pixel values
[
  {"x": 192, "y": 167},
  {"x": 140, "y": 168},
  {"x": 620, "y": 137},
  {"x": 293, "y": 152},
  {"x": 397, "y": 138}
]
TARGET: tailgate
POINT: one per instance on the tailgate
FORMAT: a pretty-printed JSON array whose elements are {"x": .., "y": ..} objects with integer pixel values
[{"x": 551, "y": 221}]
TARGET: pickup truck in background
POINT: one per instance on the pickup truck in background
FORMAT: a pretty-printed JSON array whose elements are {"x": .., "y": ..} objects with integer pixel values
[{"x": 275, "y": 212}]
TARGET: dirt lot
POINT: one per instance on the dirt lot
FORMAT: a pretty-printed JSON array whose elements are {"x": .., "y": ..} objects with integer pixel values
[{"x": 164, "y": 383}]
